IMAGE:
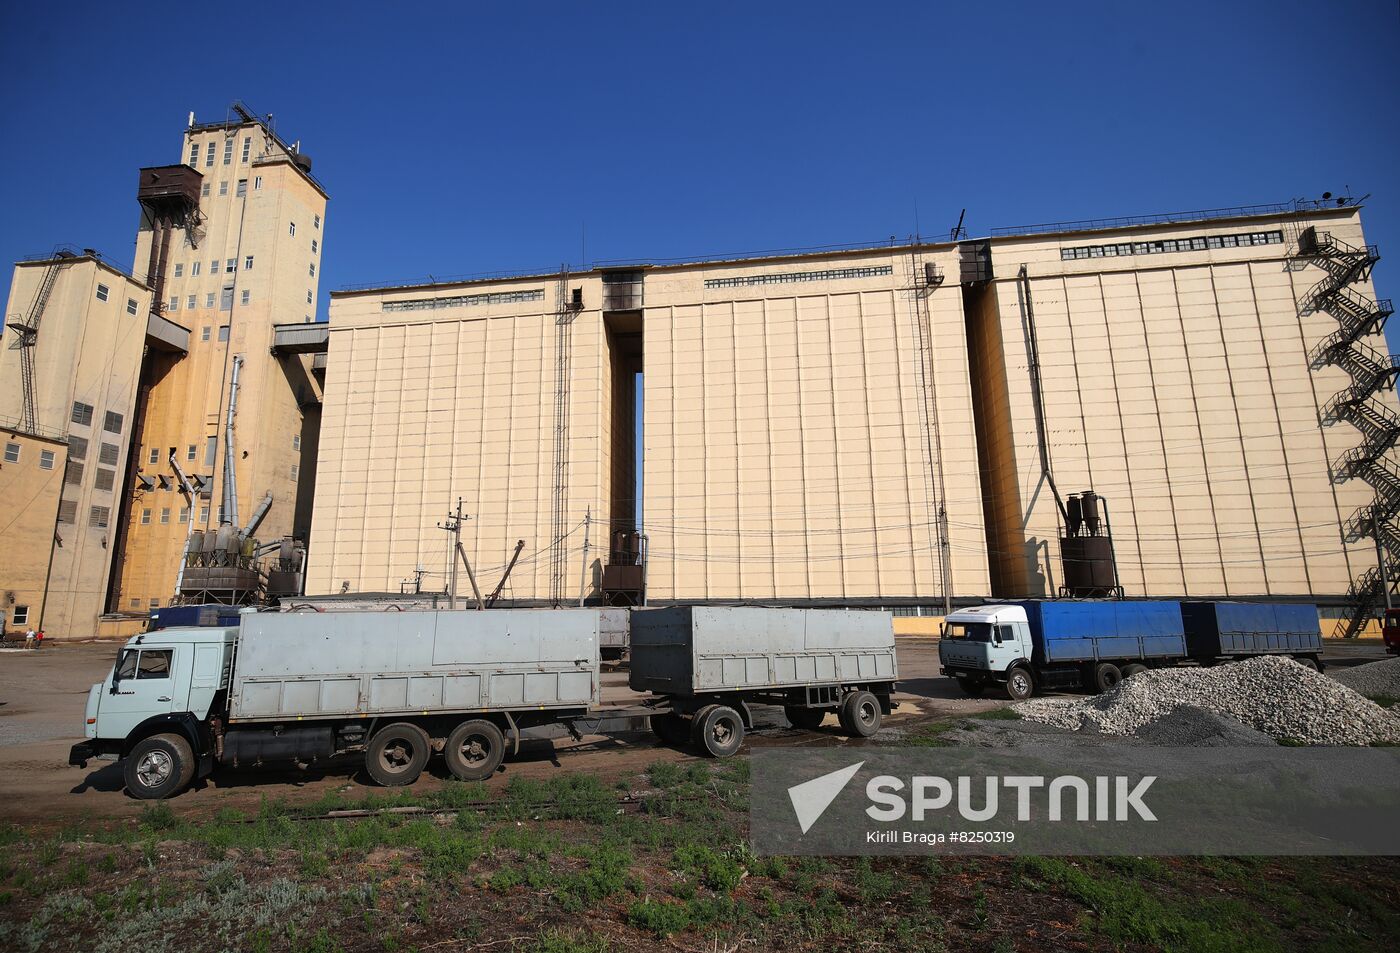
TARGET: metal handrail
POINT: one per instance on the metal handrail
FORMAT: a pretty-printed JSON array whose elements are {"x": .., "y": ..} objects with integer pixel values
[{"x": 1241, "y": 211}]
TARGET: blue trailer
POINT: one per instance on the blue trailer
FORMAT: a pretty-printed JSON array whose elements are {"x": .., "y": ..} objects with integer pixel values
[{"x": 1232, "y": 630}]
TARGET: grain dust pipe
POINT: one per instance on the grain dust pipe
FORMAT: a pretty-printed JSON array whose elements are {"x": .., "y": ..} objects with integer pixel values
[
  {"x": 189, "y": 523},
  {"x": 230, "y": 500}
]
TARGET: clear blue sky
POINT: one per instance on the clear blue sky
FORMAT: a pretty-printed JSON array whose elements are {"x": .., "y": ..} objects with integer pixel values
[{"x": 468, "y": 138}]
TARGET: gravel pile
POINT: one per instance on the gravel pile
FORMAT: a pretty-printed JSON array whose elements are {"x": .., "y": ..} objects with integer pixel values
[
  {"x": 1273, "y": 695},
  {"x": 1374, "y": 680}
]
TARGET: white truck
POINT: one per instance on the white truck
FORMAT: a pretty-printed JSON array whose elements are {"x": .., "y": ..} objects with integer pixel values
[{"x": 400, "y": 687}]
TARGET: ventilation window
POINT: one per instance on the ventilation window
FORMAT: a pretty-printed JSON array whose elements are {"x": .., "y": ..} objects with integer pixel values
[
  {"x": 73, "y": 474},
  {"x": 99, "y": 516},
  {"x": 113, "y": 423},
  {"x": 77, "y": 448},
  {"x": 82, "y": 414},
  {"x": 68, "y": 511},
  {"x": 108, "y": 454},
  {"x": 104, "y": 479}
]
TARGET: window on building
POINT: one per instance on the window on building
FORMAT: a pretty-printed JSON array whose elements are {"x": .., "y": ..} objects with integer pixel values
[
  {"x": 309, "y": 297},
  {"x": 145, "y": 517},
  {"x": 131, "y": 306},
  {"x": 191, "y": 452},
  {"x": 174, "y": 303},
  {"x": 313, "y": 269},
  {"x": 165, "y": 514},
  {"x": 223, "y": 328},
  {"x": 241, "y": 189},
  {"x": 194, "y": 269},
  {"x": 209, "y": 301},
  {"x": 225, "y": 304},
  {"x": 189, "y": 302},
  {"x": 228, "y": 151},
  {"x": 257, "y": 182},
  {"x": 68, "y": 511},
  {"x": 108, "y": 454},
  {"x": 194, "y": 153},
  {"x": 46, "y": 459},
  {"x": 316, "y": 221},
  {"x": 73, "y": 474},
  {"x": 204, "y": 513},
  {"x": 77, "y": 448},
  {"x": 204, "y": 190},
  {"x": 248, "y": 261},
  {"x": 204, "y": 333},
  {"x": 214, "y": 267},
  {"x": 154, "y": 456},
  {"x": 113, "y": 423},
  {"x": 184, "y": 514},
  {"x": 209, "y": 155},
  {"x": 246, "y": 295},
  {"x": 296, "y": 441},
  {"x": 315, "y": 246},
  {"x": 151, "y": 657},
  {"x": 211, "y": 449},
  {"x": 12, "y": 453},
  {"x": 179, "y": 270},
  {"x": 295, "y": 470},
  {"x": 102, "y": 292},
  {"x": 99, "y": 516},
  {"x": 21, "y": 615},
  {"x": 135, "y": 603},
  {"x": 82, "y": 414},
  {"x": 230, "y": 266},
  {"x": 247, "y": 147},
  {"x": 291, "y": 228},
  {"x": 104, "y": 479},
  {"x": 223, "y": 187}
]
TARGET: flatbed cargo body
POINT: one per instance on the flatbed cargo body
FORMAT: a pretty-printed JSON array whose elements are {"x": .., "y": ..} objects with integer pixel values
[
  {"x": 350, "y": 664},
  {"x": 1066, "y": 632},
  {"x": 695, "y": 650}
]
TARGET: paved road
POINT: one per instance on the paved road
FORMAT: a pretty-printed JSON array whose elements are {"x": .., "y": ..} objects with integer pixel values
[{"x": 42, "y": 695}]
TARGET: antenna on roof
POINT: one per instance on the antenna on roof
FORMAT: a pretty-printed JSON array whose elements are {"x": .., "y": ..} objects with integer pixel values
[
  {"x": 191, "y": 123},
  {"x": 958, "y": 231}
]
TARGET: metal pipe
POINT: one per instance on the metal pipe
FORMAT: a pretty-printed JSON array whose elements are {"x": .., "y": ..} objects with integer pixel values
[
  {"x": 583, "y": 570},
  {"x": 496, "y": 593},
  {"x": 258, "y": 514},
  {"x": 1037, "y": 395},
  {"x": 189, "y": 522},
  {"x": 1385, "y": 576},
  {"x": 471, "y": 577},
  {"x": 230, "y": 496}
]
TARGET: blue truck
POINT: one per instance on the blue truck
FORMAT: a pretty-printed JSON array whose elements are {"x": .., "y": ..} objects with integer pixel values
[{"x": 1038, "y": 644}]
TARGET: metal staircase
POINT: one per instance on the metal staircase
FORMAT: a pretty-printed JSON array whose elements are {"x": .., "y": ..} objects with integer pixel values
[
  {"x": 26, "y": 336},
  {"x": 1372, "y": 373}
]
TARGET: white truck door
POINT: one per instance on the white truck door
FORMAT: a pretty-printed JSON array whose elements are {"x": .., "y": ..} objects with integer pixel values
[
  {"x": 1005, "y": 647},
  {"x": 143, "y": 685}
]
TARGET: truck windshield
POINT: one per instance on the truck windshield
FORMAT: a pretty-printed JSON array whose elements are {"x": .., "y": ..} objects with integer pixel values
[{"x": 972, "y": 631}]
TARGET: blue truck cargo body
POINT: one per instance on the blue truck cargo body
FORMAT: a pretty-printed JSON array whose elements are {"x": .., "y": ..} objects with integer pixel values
[
  {"x": 1250, "y": 628},
  {"x": 1064, "y": 632}
]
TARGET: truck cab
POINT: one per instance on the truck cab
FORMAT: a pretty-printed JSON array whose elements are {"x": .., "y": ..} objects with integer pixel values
[
  {"x": 1390, "y": 631},
  {"x": 987, "y": 644},
  {"x": 152, "y": 709}
]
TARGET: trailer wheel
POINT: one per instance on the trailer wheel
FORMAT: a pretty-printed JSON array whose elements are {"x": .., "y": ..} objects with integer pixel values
[
  {"x": 972, "y": 687},
  {"x": 807, "y": 719},
  {"x": 860, "y": 714},
  {"x": 474, "y": 750},
  {"x": 1106, "y": 675},
  {"x": 1306, "y": 661},
  {"x": 1137, "y": 668},
  {"x": 158, "y": 767},
  {"x": 1019, "y": 684},
  {"x": 718, "y": 730},
  {"x": 397, "y": 754},
  {"x": 670, "y": 728}
]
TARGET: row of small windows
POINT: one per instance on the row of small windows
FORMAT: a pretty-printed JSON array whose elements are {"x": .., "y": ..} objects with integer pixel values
[
  {"x": 1172, "y": 245},
  {"x": 82, "y": 414},
  {"x": 462, "y": 301},
  {"x": 833, "y": 274},
  {"x": 226, "y": 303},
  {"x": 228, "y": 151},
  {"x": 230, "y": 266},
  {"x": 13, "y": 453}
]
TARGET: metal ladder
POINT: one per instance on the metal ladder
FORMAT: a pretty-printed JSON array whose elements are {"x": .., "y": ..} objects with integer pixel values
[
  {"x": 26, "y": 336},
  {"x": 1371, "y": 373}
]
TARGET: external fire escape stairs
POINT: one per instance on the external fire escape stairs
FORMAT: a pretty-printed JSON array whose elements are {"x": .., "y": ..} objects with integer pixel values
[
  {"x": 26, "y": 330},
  {"x": 1372, "y": 373}
]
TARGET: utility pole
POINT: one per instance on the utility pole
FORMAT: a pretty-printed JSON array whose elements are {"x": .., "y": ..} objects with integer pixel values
[
  {"x": 583, "y": 572},
  {"x": 453, "y": 525}
]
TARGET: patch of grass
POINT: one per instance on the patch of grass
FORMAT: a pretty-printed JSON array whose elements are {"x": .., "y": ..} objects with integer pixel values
[
  {"x": 560, "y": 941},
  {"x": 716, "y": 870},
  {"x": 660, "y": 917},
  {"x": 932, "y": 735},
  {"x": 997, "y": 714},
  {"x": 874, "y": 886}
]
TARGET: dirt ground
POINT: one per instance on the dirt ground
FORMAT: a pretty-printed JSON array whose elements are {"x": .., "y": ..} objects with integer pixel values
[{"x": 42, "y": 695}]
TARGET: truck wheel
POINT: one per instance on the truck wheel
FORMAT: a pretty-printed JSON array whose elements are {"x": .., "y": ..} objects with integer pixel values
[
  {"x": 807, "y": 719},
  {"x": 1019, "y": 684},
  {"x": 474, "y": 750},
  {"x": 158, "y": 767},
  {"x": 972, "y": 687},
  {"x": 719, "y": 731},
  {"x": 860, "y": 714},
  {"x": 1106, "y": 675},
  {"x": 397, "y": 754},
  {"x": 670, "y": 728},
  {"x": 1137, "y": 668},
  {"x": 1306, "y": 662}
]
